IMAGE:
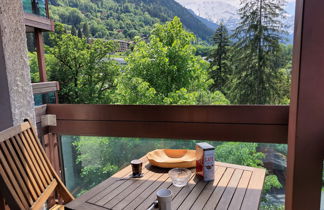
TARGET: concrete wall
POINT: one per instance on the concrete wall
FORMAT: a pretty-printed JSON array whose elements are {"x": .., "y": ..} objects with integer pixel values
[{"x": 16, "y": 97}]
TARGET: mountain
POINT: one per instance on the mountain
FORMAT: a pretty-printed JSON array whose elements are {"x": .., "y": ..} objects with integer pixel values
[
  {"x": 216, "y": 11},
  {"x": 123, "y": 19},
  {"x": 213, "y": 26}
]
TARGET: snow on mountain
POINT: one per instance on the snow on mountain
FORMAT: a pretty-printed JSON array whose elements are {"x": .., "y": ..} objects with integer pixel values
[
  {"x": 213, "y": 10},
  {"x": 226, "y": 11}
]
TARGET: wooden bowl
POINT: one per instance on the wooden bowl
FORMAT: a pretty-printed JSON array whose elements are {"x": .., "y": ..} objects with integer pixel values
[{"x": 172, "y": 158}]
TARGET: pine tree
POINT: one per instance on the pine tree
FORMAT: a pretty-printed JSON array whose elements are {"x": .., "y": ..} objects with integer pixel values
[
  {"x": 85, "y": 30},
  {"x": 256, "y": 51},
  {"x": 80, "y": 35},
  {"x": 73, "y": 31},
  {"x": 220, "y": 68}
]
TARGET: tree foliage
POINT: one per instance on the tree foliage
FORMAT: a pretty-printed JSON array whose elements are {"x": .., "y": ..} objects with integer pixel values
[
  {"x": 240, "y": 153},
  {"x": 257, "y": 51},
  {"x": 85, "y": 71},
  {"x": 73, "y": 31},
  {"x": 220, "y": 63},
  {"x": 85, "y": 30},
  {"x": 33, "y": 65},
  {"x": 169, "y": 55}
]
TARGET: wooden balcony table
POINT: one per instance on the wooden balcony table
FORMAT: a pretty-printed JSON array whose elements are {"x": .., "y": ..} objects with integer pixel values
[{"x": 234, "y": 187}]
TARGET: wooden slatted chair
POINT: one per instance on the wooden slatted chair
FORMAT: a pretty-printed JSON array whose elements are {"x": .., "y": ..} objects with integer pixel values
[{"x": 27, "y": 178}]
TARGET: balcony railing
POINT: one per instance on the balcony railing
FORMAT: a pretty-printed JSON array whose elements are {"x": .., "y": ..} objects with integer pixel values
[
  {"x": 260, "y": 124},
  {"x": 266, "y": 124},
  {"x": 45, "y": 92},
  {"x": 155, "y": 127},
  {"x": 37, "y": 15}
]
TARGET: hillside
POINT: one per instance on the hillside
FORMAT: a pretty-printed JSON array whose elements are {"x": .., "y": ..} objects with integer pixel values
[{"x": 123, "y": 19}]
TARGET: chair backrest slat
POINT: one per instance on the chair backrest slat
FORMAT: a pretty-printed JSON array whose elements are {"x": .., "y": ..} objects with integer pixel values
[
  {"x": 16, "y": 173},
  {"x": 39, "y": 157},
  {"x": 27, "y": 177},
  {"x": 10, "y": 189},
  {"x": 26, "y": 153},
  {"x": 22, "y": 171},
  {"x": 30, "y": 176},
  {"x": 35, "y": 161},
  {"x": 13, "y": 180}
]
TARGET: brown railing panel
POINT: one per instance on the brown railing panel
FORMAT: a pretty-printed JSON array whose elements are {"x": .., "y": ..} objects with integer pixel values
[
  {"x": 45, "y": 87},
  {"x": 274, "y": 115},
  {"x": 35, "y": 21},
  {"x": 225, "y": 123}
]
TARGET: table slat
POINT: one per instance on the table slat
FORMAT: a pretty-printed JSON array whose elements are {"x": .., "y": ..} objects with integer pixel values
[
  {"x": 177, "y": 200},
  {"x": 111, "y": 192},
  {"x": 126, "y": 192},
  {"x": 218, "y": 192},
  {"x": 210, "y": 187},
  {"x": 240, "y": 191},
  {"x": 230, "y": 190},
  {"x": 252, "y": 195},
  {"x": 137, "y": 192},
  {"x": 149, "y": 200},
  {"x": 77, "y": 203},
  {"x": 193, "y": 195},
  {"x": 147, "y": 192}
]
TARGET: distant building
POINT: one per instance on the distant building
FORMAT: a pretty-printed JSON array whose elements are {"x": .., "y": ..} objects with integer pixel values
[{"x": 123, "y": 45}]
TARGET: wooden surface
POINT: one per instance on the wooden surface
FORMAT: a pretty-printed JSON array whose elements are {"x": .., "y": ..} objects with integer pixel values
[
  {"x": 35, "y": 21},
  {"x": 305, "y": 135},
  {"x": 234, "y": 187},
  {"x": 27, "y": 178},
  {"x": 39, "y": 44},
  {"x": 45, "y": 87},
  {"x": 266, "y": 124}
]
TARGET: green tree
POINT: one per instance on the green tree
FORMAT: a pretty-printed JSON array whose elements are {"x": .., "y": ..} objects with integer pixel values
[
  {"x": 203, "y": 49},
  {"x": 239, "y": 153},
  {"x": 85, "y": 30},
  {"x": 33, "y": 65},
  {"x": 166, "y": 71},
  {"x": 73, "y": 31},
  {"x": 220, "y": 66},
  {"x": 84, "y": 70},
  {"x": 284, "y": 63},
  {"x": 256, "y": 52},
  {"x": 80, "y": 35}
]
